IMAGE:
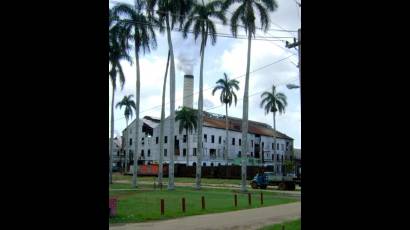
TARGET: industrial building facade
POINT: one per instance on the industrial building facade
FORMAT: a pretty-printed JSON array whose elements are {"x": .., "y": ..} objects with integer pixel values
[{"x": 260, "y": 143}]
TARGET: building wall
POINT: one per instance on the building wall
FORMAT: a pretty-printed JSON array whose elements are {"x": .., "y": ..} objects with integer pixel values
[{"x": 151, "y": 147}]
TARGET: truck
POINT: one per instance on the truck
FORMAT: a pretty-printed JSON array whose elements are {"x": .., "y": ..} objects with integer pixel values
[{"x": 262, "y": 180}]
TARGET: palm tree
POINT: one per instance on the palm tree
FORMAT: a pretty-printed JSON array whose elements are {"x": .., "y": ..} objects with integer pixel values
[
  {"x": 118, "y": 46},
  {"x": 129, "y": 104},
  {"x": 201, "y": 19},
  {"x": 187, "y": 120},
  {"x": 227, "y": 96},
  {"x": 245, "y": 13},
  {"x": 141, "y": 30},
  {"x": 169, "y": 13},
  {"x": 161, "y": 127},
  {"x": 273, "y": 102}
]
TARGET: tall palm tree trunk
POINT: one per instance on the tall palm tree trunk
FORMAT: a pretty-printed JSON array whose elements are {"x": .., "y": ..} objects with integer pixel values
[
  {"x": 161, "y": 131},
  {"x": 187, "y": 146},
  {"x": 227, "y": 137},
  {"x": 200, "y": 116},
  {"x": 171, "y": 185},
  {"x": 245, "y": 117},
  {"x": 274, "y": 140},
  {"x": 137, "y": 122},
  {"x": 125, "y": 146},
  {"x": 112, "y": 135}
]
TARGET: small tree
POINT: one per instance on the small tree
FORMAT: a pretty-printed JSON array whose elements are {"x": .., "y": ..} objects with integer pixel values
[{"x": 289, "y": 166}]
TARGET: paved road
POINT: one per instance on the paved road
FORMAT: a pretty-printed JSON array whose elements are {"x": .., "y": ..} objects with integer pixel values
[{"x": 236, "y": 220}]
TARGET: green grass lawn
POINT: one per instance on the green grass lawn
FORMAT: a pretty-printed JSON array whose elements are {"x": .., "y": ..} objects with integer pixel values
[
  {"x": 144, "y": 203},
  {"x": 218, "y": 181},
  {"x": 289, "y": 225}
]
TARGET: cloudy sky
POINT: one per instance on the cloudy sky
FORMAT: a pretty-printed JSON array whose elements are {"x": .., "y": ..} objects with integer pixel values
[{"x": 227, "y": 56}]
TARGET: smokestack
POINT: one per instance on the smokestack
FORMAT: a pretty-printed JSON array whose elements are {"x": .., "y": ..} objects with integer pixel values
[{"x": 188, "y": 100}]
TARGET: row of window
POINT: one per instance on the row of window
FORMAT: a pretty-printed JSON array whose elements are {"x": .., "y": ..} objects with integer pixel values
[
  {"x": 166, "y": 152},
  {"x": 184, "y": 139}
]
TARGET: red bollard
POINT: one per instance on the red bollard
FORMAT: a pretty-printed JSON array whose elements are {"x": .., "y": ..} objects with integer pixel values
[
  {"x": 183, "y": 204},
  {"x": 162, "y": 207},
  {"x": 203, "y": 202}
]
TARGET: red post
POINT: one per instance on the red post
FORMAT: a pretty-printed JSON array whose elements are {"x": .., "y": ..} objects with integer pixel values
[
  {"x": 261, "y": 198},
  {"x": 236, "y": 200},
  {"x": 249, "y": 199},
  {"x": 203, "y": 202},
  {"x": 183, "y": 204},
  {"x": 162, "y": 207}
]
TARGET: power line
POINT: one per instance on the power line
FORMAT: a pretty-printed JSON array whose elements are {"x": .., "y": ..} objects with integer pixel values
[
  {"x": 261, "y": 38},
  {"x": 254, "y": 94}
]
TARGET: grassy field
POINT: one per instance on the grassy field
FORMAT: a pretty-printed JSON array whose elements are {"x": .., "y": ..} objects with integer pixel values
[
  {"x": 179, "y": 179},
  {"x": 144, "y": 203},
  {"x": 290, "y": 225}
]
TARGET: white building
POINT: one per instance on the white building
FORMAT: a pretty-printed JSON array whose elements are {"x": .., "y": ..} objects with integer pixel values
[
  {"x": 260, "y": 140},
  {"x": 116, "y": 151}
]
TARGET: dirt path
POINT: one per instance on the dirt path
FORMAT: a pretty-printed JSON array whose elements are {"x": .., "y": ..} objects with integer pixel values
[
  {"x": 243, "y": 219},
  {"x": 220, "y": 186}
]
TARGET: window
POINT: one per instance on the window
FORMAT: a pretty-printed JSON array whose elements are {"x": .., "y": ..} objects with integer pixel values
[
  {"x": 220, "y": 139},
  {"x": 251, "y": 154},
  {"x": 252, "y": 143},
  {"x": 194, "y": 153},
  {"x": 205, "y": 137},
  {"x": 283, "y": 147},
  {"x": 142, "y": 153},
  {"x": 149, "y": 153},
  {"x": 204, "y": 164},
  {"x": 272, "y": 145},
  {"x": 166, "y": 139},
  {"x": 277, "y": 146},
  {"x": 130, "y": 141},
  {"x": 184, "y": 152},
  {"x": 184, "y": 139},
  {"x": 142, "y": 141},
  {"x": 233, "y": 141},
  {"x": 273, "y": 157},
  {"x": 240, "y": 141},
  {"x": 277, "y": 157},
  {"x": 165, "y": 152},
  {"x": 156, "y": 140},
  {"x": 212, "y": 139},
  {"x": 239, "y": 154}
]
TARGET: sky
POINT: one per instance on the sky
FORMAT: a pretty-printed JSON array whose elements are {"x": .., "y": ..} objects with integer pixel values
[{"x": 228, "y": 56}]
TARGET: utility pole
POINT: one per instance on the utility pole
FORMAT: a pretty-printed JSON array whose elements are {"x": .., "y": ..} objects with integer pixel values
[{"x": 294, "y": 45}]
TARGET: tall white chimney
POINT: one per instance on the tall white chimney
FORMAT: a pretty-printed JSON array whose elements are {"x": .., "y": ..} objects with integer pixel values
[{"x": 188, "y": 100}]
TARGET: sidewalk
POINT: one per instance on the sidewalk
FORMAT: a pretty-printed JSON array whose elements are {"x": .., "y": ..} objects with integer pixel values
[{"x": 243, "y": 219}]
